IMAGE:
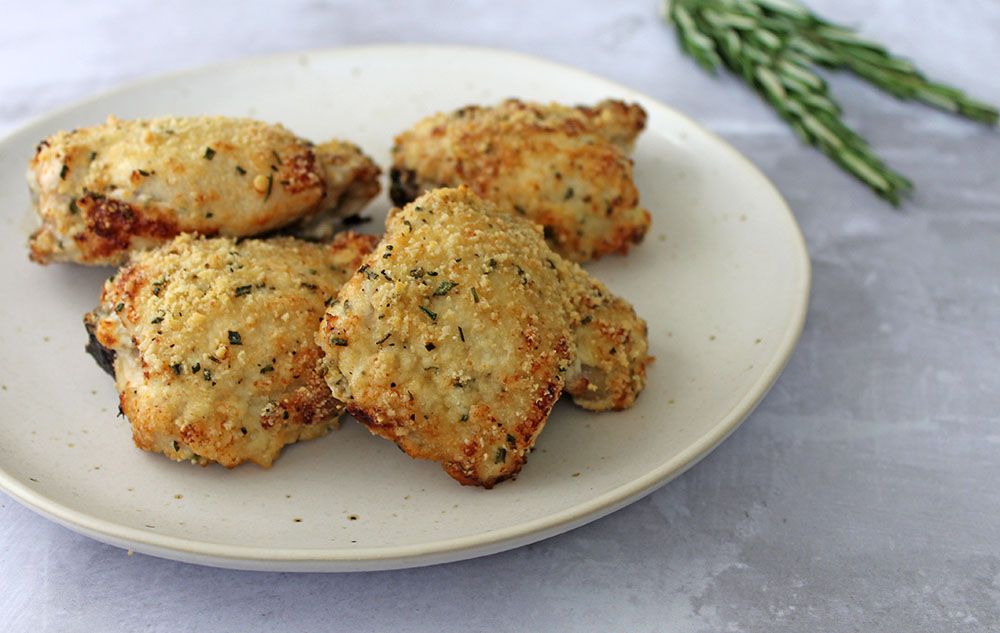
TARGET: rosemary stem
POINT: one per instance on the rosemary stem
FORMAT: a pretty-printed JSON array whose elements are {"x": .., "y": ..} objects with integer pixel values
[{"x": 777, "y": 45}]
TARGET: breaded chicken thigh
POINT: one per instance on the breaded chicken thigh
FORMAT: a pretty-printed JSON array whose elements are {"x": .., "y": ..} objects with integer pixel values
[
  {"x": 211, "y": 343},
  {"x": 106, "y": 190},
  {"x": 565, "y": 168},
  {"x": 460, "y": 331}
]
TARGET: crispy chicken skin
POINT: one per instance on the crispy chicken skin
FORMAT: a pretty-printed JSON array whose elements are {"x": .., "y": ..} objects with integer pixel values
[
  {"x": 609, "y": 369},
  {"x": 460, "y": 331},
  {"x": 212, "y": 343},
  {"x": 565, "y": 168},
  {"x": 106, "y": 190}
]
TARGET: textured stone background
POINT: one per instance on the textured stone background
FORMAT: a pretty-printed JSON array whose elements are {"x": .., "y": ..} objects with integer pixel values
[{"x": 860, "y": 496}]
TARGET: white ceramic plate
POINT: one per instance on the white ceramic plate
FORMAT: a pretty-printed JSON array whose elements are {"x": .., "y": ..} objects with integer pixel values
[{"x": 722, "y": 279}]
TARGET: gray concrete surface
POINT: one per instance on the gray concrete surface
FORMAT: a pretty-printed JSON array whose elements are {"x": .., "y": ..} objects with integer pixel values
[{"x": 863, "y": 493}]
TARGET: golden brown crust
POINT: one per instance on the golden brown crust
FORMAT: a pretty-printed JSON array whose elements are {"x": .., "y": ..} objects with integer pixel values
[
  {"x": 351, "y": 178},
  {"x": 609, "y": 370},
  {"x": 456, "y": 336},
  {"x": 111, "y": 226},
  {"x": 565, "y": 168},
  {"x": 214, "y": 358},
  {"x": 106, "y": 190}
]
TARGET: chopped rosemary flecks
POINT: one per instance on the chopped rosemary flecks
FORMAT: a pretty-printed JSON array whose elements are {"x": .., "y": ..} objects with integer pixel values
[
  {"x": 501, "y": 456},
  {"x": 177, "y": 368},
  {"x": 587, "y": 319},
  {"x": 370, "y": 274},
  {"x": 93, "y": 155},
  {"x": 195, "y": 368},
  {"x": 431, "y": 314},
  {"x": 339, "y": 342},
  {"x": 383, "y": 339},
  {"x": 235, "y": 338},
  {"x": 461, "y": 334},
  {"x": 241, "y": 171},
  {"x": 63, "y": 171},
  {"x": 209, "y": 153},
  {"x": 464, "y": 418},
  {"x": 309, "y": 286},
  {"x": 475, "y": 295},
  {"x": 73, "y": 209},
  {"x": 270, "y": 185},
  {"x": 243, "y": 290},
  {"x": 430, "y": 347},
  {"x": 158, "y": 319},
  {"x": 417, "y": 272},
  {"x": 276, "y": 156},
  {"x": 568, "y": 194},
  {"x": 444, "y": 288},
  {"x": 207, "y": 374},
  {"x": 119, "y": 307},
  {"x": 267, "y": 369},
  {"x": 511, "y": 441},
  {"x": 142, "y": 172}
]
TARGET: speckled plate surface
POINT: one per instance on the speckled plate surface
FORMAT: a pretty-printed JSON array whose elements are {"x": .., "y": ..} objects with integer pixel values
[{"x": 722, "y": 279}]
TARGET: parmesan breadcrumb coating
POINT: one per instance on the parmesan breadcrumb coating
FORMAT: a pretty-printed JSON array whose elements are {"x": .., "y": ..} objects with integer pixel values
[
  {"x": 460, "y": 331},
  {"x": 565, "y": 168},
  {"x": 211, "y": 342},
  {"x": 106, "y": 190}
]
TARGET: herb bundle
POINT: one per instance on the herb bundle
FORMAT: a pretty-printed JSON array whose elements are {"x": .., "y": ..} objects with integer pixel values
[{"x": 776, "y": 45}]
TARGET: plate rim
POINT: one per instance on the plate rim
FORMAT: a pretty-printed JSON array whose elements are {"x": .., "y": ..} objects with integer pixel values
[{"x": 459, "y": 548}]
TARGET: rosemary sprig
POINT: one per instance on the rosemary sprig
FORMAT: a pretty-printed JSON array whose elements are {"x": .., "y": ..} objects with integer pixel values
[{"x": 775, "y": 45}]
